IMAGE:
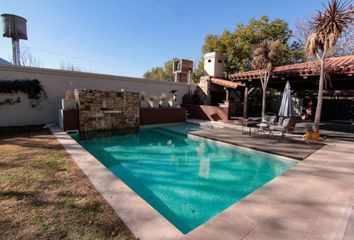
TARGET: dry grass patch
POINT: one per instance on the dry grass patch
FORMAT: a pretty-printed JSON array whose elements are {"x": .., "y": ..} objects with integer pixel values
[{"x": 44, "y": 195}]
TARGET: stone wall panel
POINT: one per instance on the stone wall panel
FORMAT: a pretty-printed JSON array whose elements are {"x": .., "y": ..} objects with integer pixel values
[{"x": 107, "y": 110}]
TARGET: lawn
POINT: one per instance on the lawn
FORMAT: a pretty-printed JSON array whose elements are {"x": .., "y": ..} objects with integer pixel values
[{"x": 44, "y": 195}]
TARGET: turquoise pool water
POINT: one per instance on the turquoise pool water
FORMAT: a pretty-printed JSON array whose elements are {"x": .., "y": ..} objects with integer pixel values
[{"x": 187, "y": 180}]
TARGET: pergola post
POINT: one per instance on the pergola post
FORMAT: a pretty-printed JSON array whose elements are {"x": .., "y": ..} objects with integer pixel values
[
  {"x": 245, "y": 103},
  {"x": 227, "y": 94}
]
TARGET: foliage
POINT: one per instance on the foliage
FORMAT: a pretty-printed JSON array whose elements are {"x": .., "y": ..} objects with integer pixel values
[
  {"x": 142, "y": 96},
  {"x": 265, "y": 56},
  {"x": 297, "y": 53},
  {"x": 69, "y": 95},
  {"x": 161, "y": 73},
  {"x": 152, "y": 98},
  {"x": 345, "y": 44},
  {"x": 326, "y": 27},
  {"x": 32, "y": 88},
  {"x": 239, "y": 44},
  {"x": 69, "y": 67},
  {"x": 238, "y": 47},
  {"x": 10, "y": 101},
  {"x": 163, "y": 97},
  {"x": 343, "y": 47}
]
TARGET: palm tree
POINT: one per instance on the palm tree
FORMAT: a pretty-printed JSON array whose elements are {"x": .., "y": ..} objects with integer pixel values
[
  {"x": 264, "y": 57},
  {"x": 326, "y": 28}
]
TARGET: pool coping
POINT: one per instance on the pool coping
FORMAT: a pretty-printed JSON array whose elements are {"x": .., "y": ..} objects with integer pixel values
[
  {"x": 247, "y": 220},
  {"x": 146, "y": 223},
  {"x": 142, "y": 219}
]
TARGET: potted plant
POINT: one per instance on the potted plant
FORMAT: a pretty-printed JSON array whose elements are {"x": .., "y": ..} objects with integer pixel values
[
  {"x": 142, "y": 98},
  {"x": 68, "y": 102},
  {"x": 162, "y": 100},
  {"x": 309, "y": 132},
  {"x": 151, "y": 100},
  {"x": 172, "y": 101},
  {"x": 310, "y": 135}
]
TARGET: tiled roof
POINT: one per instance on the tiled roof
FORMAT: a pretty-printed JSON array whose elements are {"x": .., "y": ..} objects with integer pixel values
[
  {"x": 335, "y": 65},
  {"x": 225, "y": 83}
]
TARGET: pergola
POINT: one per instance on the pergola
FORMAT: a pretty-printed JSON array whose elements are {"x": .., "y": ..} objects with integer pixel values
[{"x": 302, "y": 76}]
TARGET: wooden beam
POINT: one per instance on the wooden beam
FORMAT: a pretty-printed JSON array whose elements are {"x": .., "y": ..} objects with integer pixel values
[
  {"x": 251, "y": 90},
  {"x": 227, "y": 94}
]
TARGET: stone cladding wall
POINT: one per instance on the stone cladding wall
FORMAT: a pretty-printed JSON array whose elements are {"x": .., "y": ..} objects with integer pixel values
[
  {"x": 107, "y": 110},
  {"x": 203, "y": 89}
]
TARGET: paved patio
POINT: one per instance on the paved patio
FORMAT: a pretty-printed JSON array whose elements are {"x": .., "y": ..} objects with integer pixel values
[
  {"x": 292, "y": 148},
  {"x": 313, "y": 200}
]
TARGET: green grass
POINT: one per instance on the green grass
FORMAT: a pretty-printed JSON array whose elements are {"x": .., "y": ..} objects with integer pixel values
[{"x": 44, "y": 195}]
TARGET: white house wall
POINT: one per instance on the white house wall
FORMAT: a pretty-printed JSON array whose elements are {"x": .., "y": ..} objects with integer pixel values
[{"x": 55, "y": 84}]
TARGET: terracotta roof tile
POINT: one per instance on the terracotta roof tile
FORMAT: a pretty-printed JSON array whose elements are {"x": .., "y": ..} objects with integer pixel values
[
  {"x": 226, "y": 83},
  {"x": 337, "y": 65}
]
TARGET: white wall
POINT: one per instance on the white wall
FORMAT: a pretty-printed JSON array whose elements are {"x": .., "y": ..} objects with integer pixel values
[{"x": 56, "y": 82}]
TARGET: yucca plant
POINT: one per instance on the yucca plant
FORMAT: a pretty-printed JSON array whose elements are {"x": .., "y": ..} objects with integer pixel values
[
  {"x": 152, "y": 98},
  {"x": 163, "y": 97},
  {"x": 69, "y": 95},
  {"x": 326, "y": 28},
  {"x": 264, "y": 58},
  {"x": 142, "y": 96}
]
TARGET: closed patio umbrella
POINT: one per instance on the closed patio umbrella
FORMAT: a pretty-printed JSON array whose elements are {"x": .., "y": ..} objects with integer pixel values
[{"x": 286, "y": 107}]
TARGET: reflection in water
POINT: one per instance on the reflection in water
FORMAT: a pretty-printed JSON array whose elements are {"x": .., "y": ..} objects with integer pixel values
[
  {"x": 200, "y": 149},
  {"x": 204, "y": 167},
  {"x": 204, "y": 162},
  {"x": 187, "y": 180}
]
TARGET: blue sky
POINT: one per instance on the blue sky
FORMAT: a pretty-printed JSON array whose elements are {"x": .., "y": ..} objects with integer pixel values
[{"x": 135, "y": 35}]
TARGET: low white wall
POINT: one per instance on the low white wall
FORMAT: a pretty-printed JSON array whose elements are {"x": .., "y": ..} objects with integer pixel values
[{"x": 56, "y": 82}]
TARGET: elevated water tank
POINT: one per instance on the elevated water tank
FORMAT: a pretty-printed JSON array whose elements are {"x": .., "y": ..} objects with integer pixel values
[
  {"x": 214, "y": 64},
  {"x": 14, "y": 27},
  {"x": 182, "y": 66}
]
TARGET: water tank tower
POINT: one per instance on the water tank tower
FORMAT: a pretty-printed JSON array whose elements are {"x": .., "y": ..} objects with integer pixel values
[
  {"x": 14, "y": 27},
  {"x": 183, "y": 68}
]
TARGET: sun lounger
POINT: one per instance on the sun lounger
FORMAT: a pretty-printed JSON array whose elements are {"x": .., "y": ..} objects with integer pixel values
[
  {"x": 267, "y": 122},
  {"x": 282, "y": 127}
]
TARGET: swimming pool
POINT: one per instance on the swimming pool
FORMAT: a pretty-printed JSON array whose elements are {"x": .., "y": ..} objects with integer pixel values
[{"x": 187, "y": 180}]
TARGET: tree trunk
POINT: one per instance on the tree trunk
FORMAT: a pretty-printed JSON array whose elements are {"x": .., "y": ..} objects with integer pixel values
[
  {"x": 263, "y": 101},
  {"x": 245, "y": 103},
  {"x": 264, "y": 82},
  {"x": 316, "y": 124}
]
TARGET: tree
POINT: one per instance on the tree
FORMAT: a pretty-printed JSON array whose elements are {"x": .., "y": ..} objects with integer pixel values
[
  {"x": 265, "y": 57},
  {"x": 239, "y": 44},
  {"x": 161, "y": 73},
  {"x": 69, "y": 67},
  {"x": 27, "y": 59},
  {"x": 326, "y": 27},
  {"x": 344, "y": 45}
]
